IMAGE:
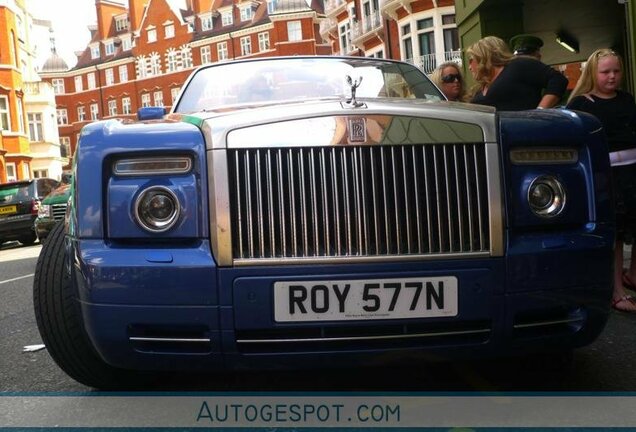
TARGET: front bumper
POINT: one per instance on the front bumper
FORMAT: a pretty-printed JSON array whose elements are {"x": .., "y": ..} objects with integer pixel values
[
  {"x": 16, "y": 227},
  {"x": 172, "y": 308}
]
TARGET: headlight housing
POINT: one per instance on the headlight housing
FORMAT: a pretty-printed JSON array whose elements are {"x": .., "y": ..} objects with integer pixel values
[
  {"x": 44, "y": 211},
  {"x": 157, "y": 209},
  {"x": 546, "y": 196}
]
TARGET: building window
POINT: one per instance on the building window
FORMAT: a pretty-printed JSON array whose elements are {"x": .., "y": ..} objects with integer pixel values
[
  {"x": 125, "y": 105},
  {"x": 155, "y": 65},
  {"x": 206, "y": 55},
  {"x": 78, "y": 84},
  {"x": 5, "y": 117},
  {"x": 152, "y": 35},
  {"x": 407, "y": 43},
  {"x": 41, "y": 173},
  {"x": 174, "y": 93},
  {"x": 141, "y": 67},
  {"x": 451, "y": 36},
  {"x": 112, "y": 107},
  {"x": 121, "y": 24},
  {"x": 62, "y": 117},
  {"x": 246, "y": 45},
  {"x": 263, "y": 41},
  {"x": 190, "y": 21},
  {"x": 94, "y": 111},
  {"x": 206, "y": 22},
  {"x": 145, "y": 100},
  {"x": 123, "y": 73},
  {"x": 110, "y": 76},
  {"x": 20, "y": 115},
  {"x": 158, "y": 95},
  {"x": 344, "y": 31},
  {"x": 186, "y": 56},
  {"x": 221, "y": 49},
  {"x": 271, "y": 6},
  {"x": 109, "y": 47},
  {"x": 26, "y": 170},
  {"x": 65, "y": 146},
  {"x": 35, "y": 126},
  {"x": 126, "y": 43},
  {"x": 169, "y": 31},
  {"x": 294, "y": 31},
  {"x": 11, "y": 172},
  {"x": 90, "y": 80},
  {"x": 94, "y": 51},
  {"x": 58, "y": 85},
  {"x": 226, "y": 18},
  {"x": 81, "y": 114},
  {"x": 171, "y": 60},
  {"x": 246, "y": 13}
]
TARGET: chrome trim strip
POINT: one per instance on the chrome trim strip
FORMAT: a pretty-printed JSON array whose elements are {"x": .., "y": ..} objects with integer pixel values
[
  {"x": 468, "y": 194},
  {"x": 459, "y": 200},
  {"x": 547, "y": 323},
  {"x": 219, "y": 202},
  {"x": 495, "y": 191},
  {"x": 359, "y": 338},
  {"x": 151, "y": 171},
  {"x": 342, "y": 259},
  {"x": 160, "y": 339}
]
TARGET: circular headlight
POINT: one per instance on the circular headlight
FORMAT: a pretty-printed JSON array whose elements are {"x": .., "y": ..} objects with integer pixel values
[
  {"x": 546, "y": 196},
  {"x": 157, "y": 209}
]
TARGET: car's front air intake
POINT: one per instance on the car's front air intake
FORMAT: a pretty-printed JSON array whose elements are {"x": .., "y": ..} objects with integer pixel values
[{"x": 359, "y": 201}]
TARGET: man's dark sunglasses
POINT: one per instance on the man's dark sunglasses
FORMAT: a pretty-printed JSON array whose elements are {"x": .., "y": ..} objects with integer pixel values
[{"x": 451, "y": 78}]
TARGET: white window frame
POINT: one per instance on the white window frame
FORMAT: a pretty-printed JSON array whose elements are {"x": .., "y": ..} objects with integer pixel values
[
  {"x": 154, "y": 65},
  {"x": 62, "y": 116},
  {"x": 110, "y": 76},
  {"x": 112, "y": 107},
  {"x": 246, "y": 13},
  {"x": 79, "y": 85},
  {"x": 168, "y": 31},
  {"x": 40, "y": 173},
  {"x": 145, "y": 100},
  {"x": 294, "y": 31},
  {"x": 20, "y": 115},
  {"x": 221, "y": 51},
  {"x": 94, "y": 51},
  {"x": 246, "y": 45},
  {"x": 94, "y": 110},
  {"x": 36, "y": 127},
  {"x": 141, "y": 67},
  {"x": 126, "y": 106},
  {"x": 5, "y": 114},
  {"x": 263, "y": 41},
  {"x": 81, "y": 113},
  {"x": 151, "y": 35},
  {"x": 109, "y": 47},
  {"x": 186, "y": 56},
  {"x": 271, "y": 6},
  {"x": 58, "y": 85},
  {"x": 206, "y": 54},
  {"x": 172, "y": 60},
  {"x": 90, "y": 80},
  {"x": 226, "y": 18},
  {"x": 158, "y": 98},
  {"x": 123, "y": 73},
  {"x": 11, "y": 172},
  {"x": 26, "y": 171},
  {"x": 121, "y": 23},
  {"x": 206, "y": 21},
  {"x": 174, "y": 93},
  {"x": 126, "y": 43},
  {"x": 65, "y": 143}
]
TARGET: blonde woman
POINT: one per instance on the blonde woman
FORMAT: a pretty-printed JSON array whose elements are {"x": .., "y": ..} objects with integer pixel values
[
  {"x": 448, "y": 77},
  {"x": 598, "y": 92},
  {"x": 512, "y": 83}
]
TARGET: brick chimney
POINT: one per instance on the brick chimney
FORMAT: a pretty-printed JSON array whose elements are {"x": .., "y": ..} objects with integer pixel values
[{"x": 136, "y": 12}]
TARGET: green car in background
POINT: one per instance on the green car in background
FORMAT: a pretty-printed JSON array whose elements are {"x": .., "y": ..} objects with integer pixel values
[{"x": 52, "y": 210}]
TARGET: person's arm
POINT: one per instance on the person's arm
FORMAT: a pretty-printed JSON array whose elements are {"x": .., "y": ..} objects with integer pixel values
[{"x": 548, "y": 101}]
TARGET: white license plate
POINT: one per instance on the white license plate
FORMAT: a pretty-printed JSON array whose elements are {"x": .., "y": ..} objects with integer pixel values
[{"x": 365, "y": 299}]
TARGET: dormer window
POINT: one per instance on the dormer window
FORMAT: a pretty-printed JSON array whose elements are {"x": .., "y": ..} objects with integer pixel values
[
  {"x": 121, "y": 23},
  {"x": 246, "y": 13},
  {"x": 226, "y": 18},
  {"x": 271, "y": 6},
  {"x": 206, "y": 21},
  {"x": 190, "y": 21},
  {"x": 94, "y": 51},
  {"x": 126, "y": 43},
  {"x": 168, "y": 30},
  {"x": 109, "y": 47},
  {"x": 152, "y": 34}
]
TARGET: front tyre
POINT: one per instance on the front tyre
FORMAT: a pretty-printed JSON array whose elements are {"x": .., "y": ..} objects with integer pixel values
[{"x": 58, "y": 316}]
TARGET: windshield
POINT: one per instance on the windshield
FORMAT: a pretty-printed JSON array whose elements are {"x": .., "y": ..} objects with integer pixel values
[
  {"x": 14, "y": 193},
  {"x": 286, "y": 79}
]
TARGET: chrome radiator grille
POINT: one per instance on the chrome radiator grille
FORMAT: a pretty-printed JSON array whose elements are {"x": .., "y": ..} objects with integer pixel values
[
  {"x": 365, "y": 201},
  {"x": 59, "y": 211}
]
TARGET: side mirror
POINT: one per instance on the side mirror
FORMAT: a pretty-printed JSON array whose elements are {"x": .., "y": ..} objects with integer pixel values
[{"x": 151, "y": 113}]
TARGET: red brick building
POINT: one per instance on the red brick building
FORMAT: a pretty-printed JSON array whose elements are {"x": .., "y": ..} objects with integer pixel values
[{"x": 141, "y": 53}]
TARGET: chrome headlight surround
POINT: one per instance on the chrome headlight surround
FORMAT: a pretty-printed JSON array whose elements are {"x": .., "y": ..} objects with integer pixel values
[
  {"x": 148, "y": 208},
  {"x": 546, "y": 196}
]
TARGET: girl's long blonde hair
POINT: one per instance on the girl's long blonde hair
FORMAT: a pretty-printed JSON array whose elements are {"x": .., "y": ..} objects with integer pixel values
[
  {"x": 489, "y": 52},
  {"x": 587, "y": 81},
  {"x": 436, "y": 77}
]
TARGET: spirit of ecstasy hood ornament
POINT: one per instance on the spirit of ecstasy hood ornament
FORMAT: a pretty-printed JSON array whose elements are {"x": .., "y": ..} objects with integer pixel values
[{"x": 354, "y": 85}]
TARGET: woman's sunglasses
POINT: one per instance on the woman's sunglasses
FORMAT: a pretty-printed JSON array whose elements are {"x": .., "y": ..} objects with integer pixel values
[{"x": 451, "y": 78}]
